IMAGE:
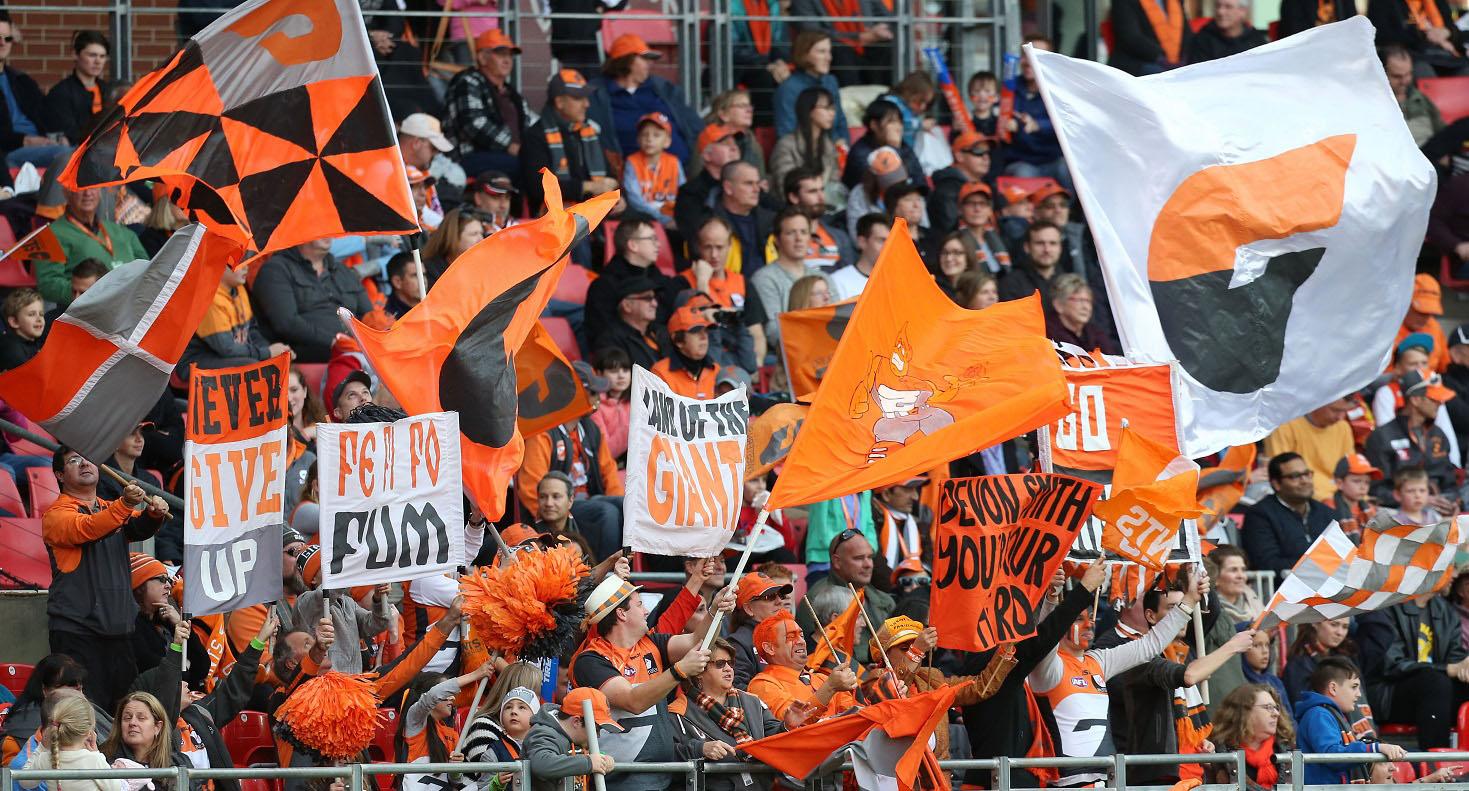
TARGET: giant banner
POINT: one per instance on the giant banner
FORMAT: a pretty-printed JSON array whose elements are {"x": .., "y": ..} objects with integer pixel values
[
  {"x": 685, "y": 469},
  {"x": 392, "y": 501},
  {"x": 997, "y": 541},
  {"x": 235, "y": 457}
]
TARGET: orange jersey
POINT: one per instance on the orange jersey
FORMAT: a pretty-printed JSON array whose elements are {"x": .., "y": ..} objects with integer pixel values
[
  {"x": 779, "y": 686},
  {"x": 680, "y": 381},
  {"x": 658, "y": 180}
]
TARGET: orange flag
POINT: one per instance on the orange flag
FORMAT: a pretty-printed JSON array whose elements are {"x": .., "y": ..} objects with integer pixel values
[
  {"x": 1221, "y": 487},
  {"x": 455, "y": 350},
  {"x": 1154, "y": 489},
  {"x": 918, "y": 381},
  {"x": 842, "y": 632},
  {"x": 808, "y": 340},
  {"x": 770, "y": 437},
  {"x": 550, "y": 391}
]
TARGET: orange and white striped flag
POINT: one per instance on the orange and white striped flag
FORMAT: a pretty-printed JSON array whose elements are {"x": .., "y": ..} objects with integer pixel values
[
  {"x": 1154, "y": 488},
  {"x": 1336, "y": 578}
]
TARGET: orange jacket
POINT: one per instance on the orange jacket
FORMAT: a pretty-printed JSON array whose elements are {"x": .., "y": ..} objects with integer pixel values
[
  {"x": 88, "y": 543},
  {"x": 678, "y": 378},
  {"x": 779, "y": 686}
]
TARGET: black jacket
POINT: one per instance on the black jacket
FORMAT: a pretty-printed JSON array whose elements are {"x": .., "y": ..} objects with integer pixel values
[
  {"x": 1137, "y": 50},
  {"x": 943, "y": 205},
  {"x": 692, "y": 204},
  {"x": 623, "y": 336},
  {"x": 1022, "y": 280},
  {"x": 602, "y": 299},
  {"x": 1389, "y": 646},
  {"x": 857, "y": 162},
  {"x": 1396, "y": 26},
  {"x": 69, "y": 107},
  {"x": 1000, "y": 724},
  {"x": 1456, "y": 378},
  {"x": 16, "y": 351},
  {"x": 95, "y": 597},
  {"x": 31, "y": 101},
  {"x": 298, "y": 308},
  {"x": 1210, "y": 43},
  {"x": 1275, "y": 537},
  {"x": 1389, "y": 448},
  {"x": 1299, "y": 15}
]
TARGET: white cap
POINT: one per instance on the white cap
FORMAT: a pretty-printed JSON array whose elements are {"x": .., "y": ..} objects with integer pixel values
[
  {"x": 606, "y": 596},
  {"x": 428, "y": 127},
  {"x": 523, "y": 695}
]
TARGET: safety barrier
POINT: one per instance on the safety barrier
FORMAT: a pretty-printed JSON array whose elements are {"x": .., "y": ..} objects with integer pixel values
[{"x": 694, "y": 772}]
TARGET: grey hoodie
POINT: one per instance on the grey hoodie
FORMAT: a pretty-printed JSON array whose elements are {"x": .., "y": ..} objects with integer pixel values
[{"x": 549, "y": 750}]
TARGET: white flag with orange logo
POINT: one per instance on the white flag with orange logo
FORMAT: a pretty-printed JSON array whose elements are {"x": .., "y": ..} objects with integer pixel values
[
  {"x": 1153, "y": 490},
  {"x": 1257, "y": 217}
]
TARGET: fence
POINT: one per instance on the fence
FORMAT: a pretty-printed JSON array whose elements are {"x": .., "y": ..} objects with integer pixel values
[
  {"x": 694, "y": 772},
  {"x": 696, "y": 37}
]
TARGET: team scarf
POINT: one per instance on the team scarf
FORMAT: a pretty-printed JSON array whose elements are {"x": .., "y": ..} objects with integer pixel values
[
  {"x": 1190, "y": 718},
  {"x": 727, "y": 713},
  {"x": 1425, "y": 14},
  {"x": 586, "y": 136},
  {"x": 1167, "y": 26},
  {"x": 1262, "y": 759},
  {"x": 759, "y": 28}
]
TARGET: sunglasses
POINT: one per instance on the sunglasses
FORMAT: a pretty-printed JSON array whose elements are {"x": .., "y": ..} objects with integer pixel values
[{"x": 722, "y": 664}]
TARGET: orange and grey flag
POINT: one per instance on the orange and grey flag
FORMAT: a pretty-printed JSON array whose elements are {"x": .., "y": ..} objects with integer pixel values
[
  {"x": 455, "y": 350},
  {"x": 1337, "y": 578},
  {"x": 270, "y": 125},
  {"x": 107, "y": 359},
  {"x": 917, "y": 381},
  {"x": 1153, "y": 490},
  {"x": 550, "y": 393},
  {"x": 771, "y": 435},
  {"x": 18, "y": 264}
]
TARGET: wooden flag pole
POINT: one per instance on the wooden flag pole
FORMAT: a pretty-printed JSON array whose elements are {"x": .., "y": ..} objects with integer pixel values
[
  {"x": 830, "y": 646},
  {"x": 479, "y": 690},
  {"x": 882, "y": 649},
  {"x": 738, "y": 572},
  {"x": 1199, "y": 635},
  {"x": 50, "y": 444},
  {"x": 589, "y": 721}
]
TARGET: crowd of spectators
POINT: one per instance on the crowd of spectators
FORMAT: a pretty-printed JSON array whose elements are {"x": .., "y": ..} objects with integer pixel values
[{"x": 715, "y": 236}]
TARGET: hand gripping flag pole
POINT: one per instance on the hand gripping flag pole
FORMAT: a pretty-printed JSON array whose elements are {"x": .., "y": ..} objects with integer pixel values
[{"x": 760, "y": 520}]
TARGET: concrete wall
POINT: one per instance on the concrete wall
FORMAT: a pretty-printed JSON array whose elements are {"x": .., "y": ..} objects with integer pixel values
[{"x": 23, "y": 626}]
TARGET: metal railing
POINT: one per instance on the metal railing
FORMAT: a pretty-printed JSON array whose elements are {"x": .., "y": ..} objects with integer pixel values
[{"x": 1116, "y": 766}]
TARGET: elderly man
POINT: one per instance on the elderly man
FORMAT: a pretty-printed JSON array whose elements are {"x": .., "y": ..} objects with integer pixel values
[
  {"x": 485, "y": 115},
  {"x": 738, "y": 201},
  {"x": 1322, "y": 437},
  {"x": 1280, "y": 528},
  {"x": 793, "y": 694},
  {"x": 717, "y": 147},
  {"x": 852, "y": 564},
  {"x": 567, "y": 143},
  {"x": 1228, "y": 33},
  {"x": 83, "y": 234}
]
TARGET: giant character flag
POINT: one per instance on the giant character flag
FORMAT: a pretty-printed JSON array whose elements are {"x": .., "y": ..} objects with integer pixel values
[
  {"x": 270, "y": 125},
  {"x": 455, "y": 350},
  {"x": 235, "y": 464},
  {"x": 1258, "y": 200},
  {"x": 917, "y": 381},
  {"x": 1337, "y": 578},
  {"x": 392, "y": 506},
  {"x": 997, "y": 539},
  {"x": 808, "y": 340},
  {"x": 108, "y": 357},
  {"x": 772, "y": 433},
  {"x": 685, "y": 469},
  {"x": 1153, "y": 490},
  {"x": 550, "y": 391}
]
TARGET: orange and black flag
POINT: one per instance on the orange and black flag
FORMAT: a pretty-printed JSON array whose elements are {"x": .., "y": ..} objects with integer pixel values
[
  {"x": 1154, "y": 489},
  {"x": 917, "y": 381},
  {"x": 455, "y": 350},
  {"x": 550, "y": 391},
  {"x": 18, "y": 265},
  {"x": 772, "y": 433},
  {"x": 841, "y": 633},
  {"x": 808, "y": 339},
  {"x": 270, "y": 126}
]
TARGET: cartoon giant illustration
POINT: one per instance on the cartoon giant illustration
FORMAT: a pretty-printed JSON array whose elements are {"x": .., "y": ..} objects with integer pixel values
[{"x": 905, "y": 402}]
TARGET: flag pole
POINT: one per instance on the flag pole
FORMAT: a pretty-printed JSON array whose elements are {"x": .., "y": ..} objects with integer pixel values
[
  {"x": 1199, "y": 637},
  {"x": 831, "y": 647},
  {"x": 50, "y": 444},
  {"x": 738, "y": 572},
  {"x": 882, "y": 649},
  {"x": 480, "y": 689},
  {"x": 422, "y": 281},
  {"x": 589, "y": 722}
]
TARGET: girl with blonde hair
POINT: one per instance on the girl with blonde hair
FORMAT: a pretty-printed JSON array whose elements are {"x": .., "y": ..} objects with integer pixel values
[{"x": 70, "y": 738}]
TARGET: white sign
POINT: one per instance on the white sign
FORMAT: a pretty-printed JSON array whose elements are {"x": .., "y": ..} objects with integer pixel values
[{"x": 392, "y": 503}]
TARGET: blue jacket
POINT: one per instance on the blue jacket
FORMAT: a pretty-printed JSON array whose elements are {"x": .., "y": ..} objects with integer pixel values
[
  {"x": 1320, "y": 728},
  {"x": 657, "y": 94},
  {"x": 1040, "y": 146}
]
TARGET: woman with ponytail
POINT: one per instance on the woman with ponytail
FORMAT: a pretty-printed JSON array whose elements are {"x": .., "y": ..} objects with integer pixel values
[
  {"x": 427, "y": 732},
  {"x": 70, "y": 739}
]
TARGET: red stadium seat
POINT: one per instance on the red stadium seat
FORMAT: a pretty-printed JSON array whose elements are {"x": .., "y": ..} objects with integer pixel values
[
  {"x": 27, "y": 448},
  {"x": 15, "y": 274},
  {"x": 1198, "y": 22},
  {"x": 799, "y": 586},
  {"x": 257, "y": 784},
  {"x": 10, "y": 496},
  {"x": 573, "y": 285},
  {"x": 1274, "y": 30},
  {"x": 560, "y": 331},
  {"x": 1449, "y": 94},
  {"x": 249, "y": 739},
  {"x": 608, "y": 250},
  {"x": 44, "y": 489},
  {"x": 314, "y": 373},
  {"x": 665, "y": 251},
  {"x": 658, "y": 33},
  {"x": 25, "y": 556},
  {"x": 14, "y": 675},
  {"x": 382, "y": 749},
  {"x": 1462, "y": 724},
  {"x": 765, "y": 136},
  {"x": 1402, "y": 772}
]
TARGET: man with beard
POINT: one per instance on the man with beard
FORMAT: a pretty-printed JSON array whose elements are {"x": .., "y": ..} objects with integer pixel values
[{"x": 805, "y": 189}]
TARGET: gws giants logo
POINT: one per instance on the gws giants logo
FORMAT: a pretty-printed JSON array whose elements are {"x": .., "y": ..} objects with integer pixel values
[{"x": 1231, "y": 338}]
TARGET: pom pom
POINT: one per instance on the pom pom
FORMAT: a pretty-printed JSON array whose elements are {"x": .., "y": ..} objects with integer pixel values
[
  {"x": 531, "y": 608},
  {"x": 334, "y": 715}
]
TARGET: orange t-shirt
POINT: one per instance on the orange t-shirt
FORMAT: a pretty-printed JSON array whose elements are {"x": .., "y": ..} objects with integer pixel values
[{"x": 779, "y": 686}]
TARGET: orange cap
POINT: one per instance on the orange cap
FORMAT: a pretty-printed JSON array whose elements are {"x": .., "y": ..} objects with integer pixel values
[
  {"x": 144, "y": 568},
  {"x": 631, "y": 44},
  {"x": 1427, "y": 297},
  {"x": 1046, "y": 190},
  {"x": 975, "y": 187},
  {"x": 1014, "y": 193},
  {"x": 495, "y": 38},
  {"x": 518, "y": 534},
  {"x": 572, "y": 705},
  {"x": 686, "y": 318},
  {"x": 754, "y": 585},
  {"x": 416, "y": 176},
  {"x": 970, "y": 140},
  {"x": 713, "y": 133},
  {"x": 1357, "y": 464},
  {"x": 658, "y": 119}
]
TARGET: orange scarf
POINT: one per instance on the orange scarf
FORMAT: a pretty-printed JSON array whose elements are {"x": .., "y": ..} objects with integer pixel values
[
  {"x": 1168, "y": 27},
  {"x": 1262, "y": 760},
  {"x": 759, "y": 28},
  {"x": 849, "y": 32},
  {"x": 1425, "y": 14}
]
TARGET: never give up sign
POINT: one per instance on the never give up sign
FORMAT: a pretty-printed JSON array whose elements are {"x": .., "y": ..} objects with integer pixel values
[
  {"x": 392, "y": 499},
  {"x": 235, "y": 457}
]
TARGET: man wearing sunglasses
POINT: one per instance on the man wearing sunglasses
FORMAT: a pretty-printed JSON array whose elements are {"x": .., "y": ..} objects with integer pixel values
[
  {"x": 757, "y": 597},
  {"x": 852, "y": 562}
]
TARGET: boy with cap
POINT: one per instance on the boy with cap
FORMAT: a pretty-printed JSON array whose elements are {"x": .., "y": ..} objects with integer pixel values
[
  {"x": 688, "y": 369},
  {"x": 555, "y": 730},
  {"x": 490, "y": 192},
  {"x": 1412, "y": 440},
  {"x": 1353, "y": 502},
  {"x": 352, "y": 623},
  {"x": 652, "y": 177},
  {"x": 567, "y": 143}
]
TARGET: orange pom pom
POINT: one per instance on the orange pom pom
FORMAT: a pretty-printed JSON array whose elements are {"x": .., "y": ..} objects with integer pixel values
[
  {"x": 335, "y": 714},
  {"x": 513, "y": 606}
]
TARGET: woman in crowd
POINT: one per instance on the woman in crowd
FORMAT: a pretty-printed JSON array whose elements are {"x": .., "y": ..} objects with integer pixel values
[
  {"x": 143, "y": 732},
  {"x": 55, "y": 672},
  {"x": 736, "y": 112},
  {"x": 1313, "y": 641},
  {"x": 811, "y": 145},
  {"x": 720, "y": 717},
  {"x": 426, "y": 732},
  {"x": 499, "y": 727},
  {"x": 811, "y": 55},
  {"x": 951, "y": 264},
  {"x": 1256, "y": 665},
  {"x": 909, "y": 200},
  {"x": 79, "y": 96},
  {"x": 1070, "y": 318},
  {"x": 1253, "y": 719},
  {"x": 459, "y": 231},
  {"x": 811, "y": 291},
  {"x": 1235, "y": 592},
  {"x": 977, "y": 290},
  {"x": 306, "y": 408},
  {"x": 628, "y": 90}
]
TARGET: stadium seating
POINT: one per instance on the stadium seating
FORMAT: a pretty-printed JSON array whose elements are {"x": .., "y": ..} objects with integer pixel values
[
  {"x": 1198, "y": 22},
  {"x": 10, "y": 497},
  {"x": 560, "y": 331},
  {"x": 14, "y": 675},
  {"x": 249, "y": 739},
  {"x": 314, "y": 373},
  {"x": 665, "y": 248},
  {"x": 572, "y": 287},
  {"x": 1449, "y": 94},
  {"x": 1403, "y": 772},
  {"x": 44, "y": 489},
  {"x": 25, "y": 555}
]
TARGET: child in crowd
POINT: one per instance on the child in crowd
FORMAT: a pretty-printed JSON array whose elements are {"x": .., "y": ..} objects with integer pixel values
[
  {"x": 556, "y": 732},
  {"x": 984, "y": 97},
  {"x": 614, "y": 407},
  {"x": 1353, "y": 505},
  {"x": 1410, "y": 487},
  {"x": 70, "y": 742},
  {"x": 426, "y": 733},
  {"x": 1323, "y": 727},
  {"x": 25, "y": 323},
  {"x": 652, "y": 177}
]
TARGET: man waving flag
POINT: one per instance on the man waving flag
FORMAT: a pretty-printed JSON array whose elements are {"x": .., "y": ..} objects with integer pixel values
[{"x": 1242, "y": 207}]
